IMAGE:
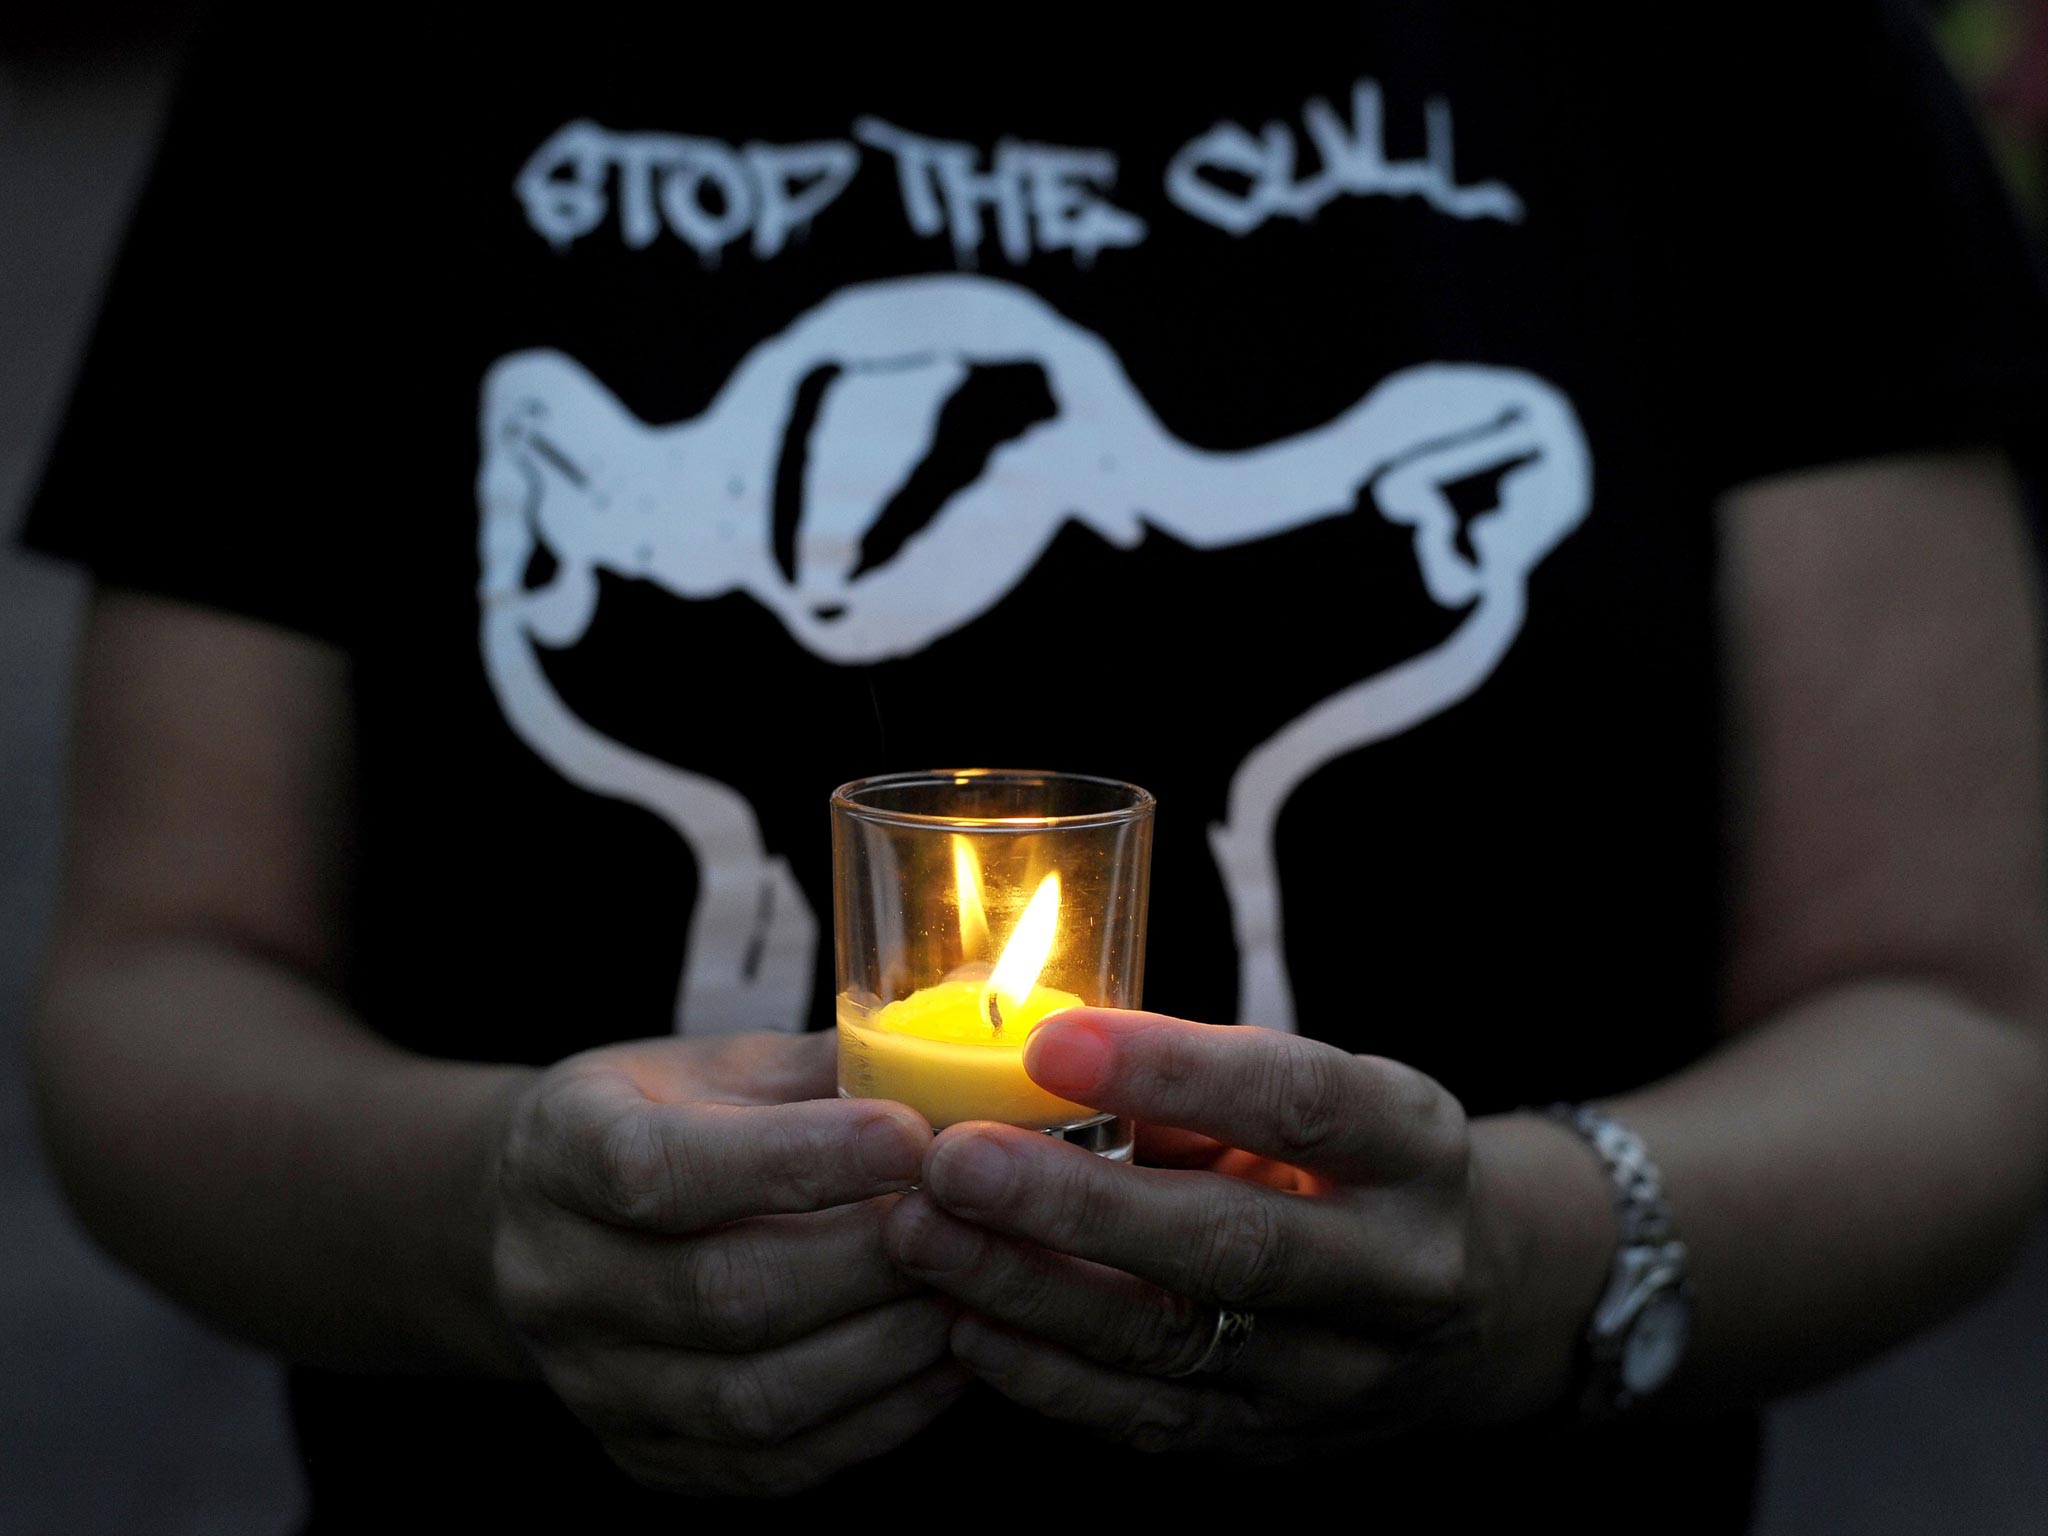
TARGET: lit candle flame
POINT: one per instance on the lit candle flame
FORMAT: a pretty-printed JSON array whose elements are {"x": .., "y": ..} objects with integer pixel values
[
  {"x": 973, "y": 910},
  {"x": 1016, "y": 973}
]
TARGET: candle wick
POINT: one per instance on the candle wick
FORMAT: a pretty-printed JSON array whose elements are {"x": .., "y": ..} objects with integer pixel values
[{"x": 995, "y": 1013}]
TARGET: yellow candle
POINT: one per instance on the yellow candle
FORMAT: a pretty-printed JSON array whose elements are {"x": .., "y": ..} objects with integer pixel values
[
  {"x": 954, "y": 1050},
  {"x": 936, "y": 1051}
]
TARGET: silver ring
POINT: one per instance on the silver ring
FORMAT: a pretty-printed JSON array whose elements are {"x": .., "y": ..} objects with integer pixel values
[{"x": 1233, "y": 1332}]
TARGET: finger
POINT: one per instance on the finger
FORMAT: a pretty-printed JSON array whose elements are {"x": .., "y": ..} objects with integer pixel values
[
  {"x": 755, "y": 1067},
  {"x": 1153, "y": 1415},
  {"x": 1200, "y": 1235},
  {"x": 768, "y": 1398},
  {"x": 598, "y": 1146},
  {"x": 1359, "y": 1119},
  {"x": 769, "y": 1068},
  {"x": 1139, "y": 1411},
  {"x": 1104, "y": 1313},
  {"x": 868, "y": 1432},
  {"x": 694, "y": 1466},
  {"x": 742, "y": 1287},
  {"x": 755, "y": 1284},
  {"x": 1168, "y": 1146},
  {"x": 1114, "y": 1318}
]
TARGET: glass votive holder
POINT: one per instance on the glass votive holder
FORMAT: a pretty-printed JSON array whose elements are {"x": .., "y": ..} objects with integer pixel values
[{"x": 967, "y": 905}]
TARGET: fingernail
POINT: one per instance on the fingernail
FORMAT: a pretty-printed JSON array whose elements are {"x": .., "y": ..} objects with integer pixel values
[
  {"x": 1067, "y": 1058},
  {"x": 970, "y": 1173},
  {"x": 889, "y": 1151},
  {"x": 936, "y": 1244}
]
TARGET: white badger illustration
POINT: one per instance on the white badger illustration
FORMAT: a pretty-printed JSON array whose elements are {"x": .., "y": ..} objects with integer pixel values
[{"x": 691, "y": 506}]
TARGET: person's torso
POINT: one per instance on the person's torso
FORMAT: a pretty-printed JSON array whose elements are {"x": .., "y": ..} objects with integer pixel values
[{"x": 1266, "y": 422}]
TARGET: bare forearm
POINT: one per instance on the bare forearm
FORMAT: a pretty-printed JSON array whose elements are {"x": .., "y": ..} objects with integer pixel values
[
  {"x": 1844, "y": 1175},
  {"x": 229, "y": 1131}
]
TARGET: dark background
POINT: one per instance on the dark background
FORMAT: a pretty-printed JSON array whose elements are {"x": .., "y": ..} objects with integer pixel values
[{"x": 119, "y": 1414}]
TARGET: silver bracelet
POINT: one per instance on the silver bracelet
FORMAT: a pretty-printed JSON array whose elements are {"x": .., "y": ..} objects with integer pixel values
[{"x": 1638, "y": 1332}]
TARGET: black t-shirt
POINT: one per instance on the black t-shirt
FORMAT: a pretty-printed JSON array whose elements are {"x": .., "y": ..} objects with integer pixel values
[{"x": 1320, "y": 415}]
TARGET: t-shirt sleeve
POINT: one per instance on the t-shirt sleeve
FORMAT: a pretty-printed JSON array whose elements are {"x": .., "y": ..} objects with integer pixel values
[
  {"x": 1838, "y": 269},
  {"x": 190, "y": 463}
]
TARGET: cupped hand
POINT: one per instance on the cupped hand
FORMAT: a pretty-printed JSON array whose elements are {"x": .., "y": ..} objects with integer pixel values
[
  {"x": 689, "y": 1241},
  {"x": 1335, "y": 1197}
]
